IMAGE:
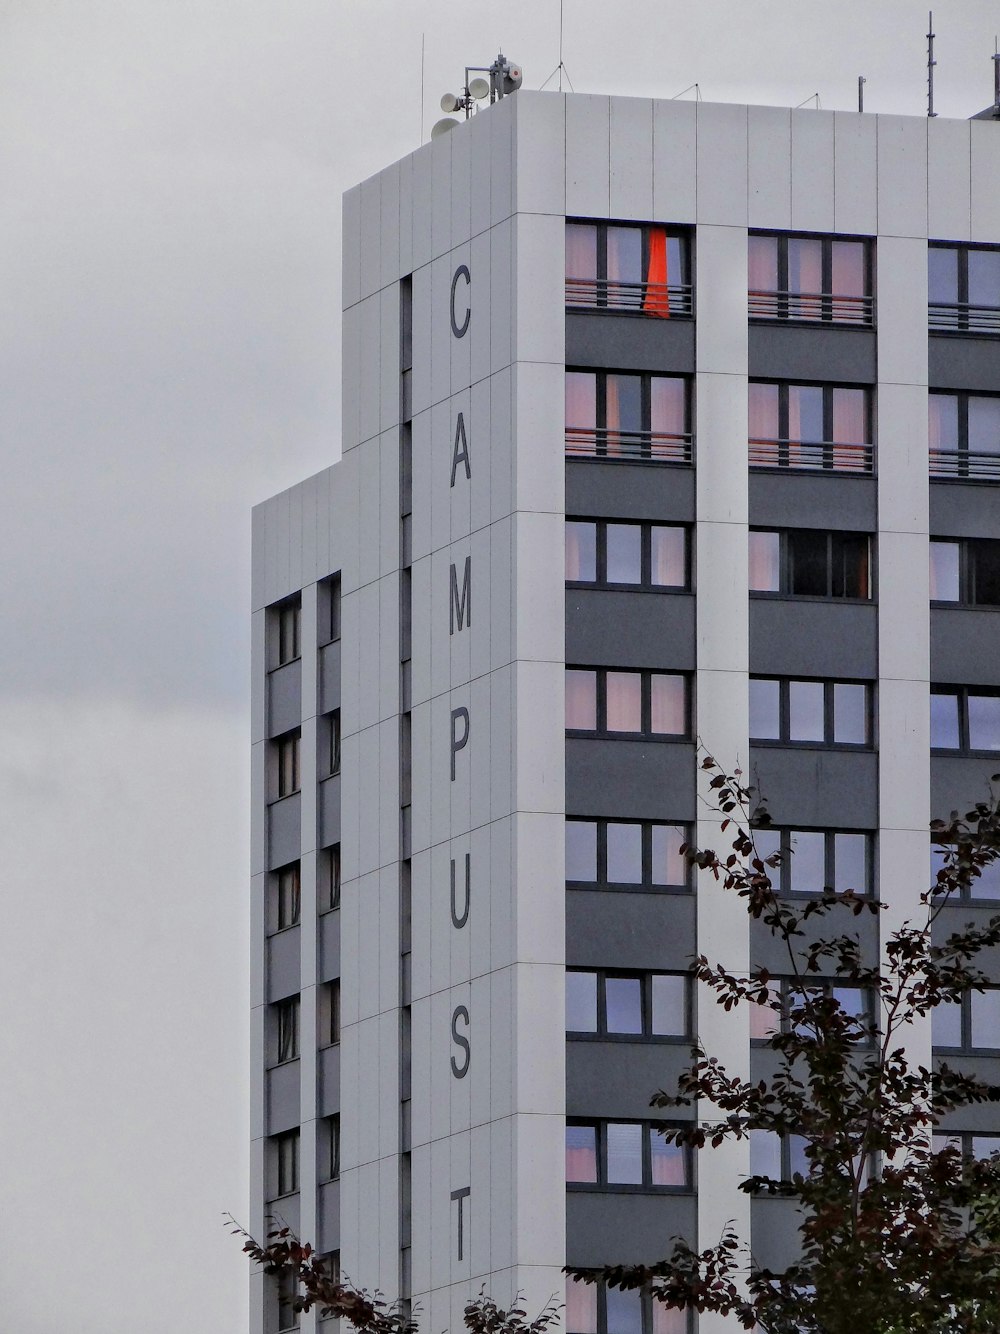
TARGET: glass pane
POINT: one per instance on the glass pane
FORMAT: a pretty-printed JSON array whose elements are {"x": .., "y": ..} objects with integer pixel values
[
  {"x": 767, "y": 843},
  {"x": 944, "y": 571},
  {"x": 581, "y": 250},
  {"x": 669, "y": 863},
  {"x": 849, "y": 575},
  {"x": 765, "y": 709},
  {"x": 942, "y": 275},
  {"x": 667, "y": 705},
  {"x": 668, "y": 557},
  {"x": 624, "y": 553},
  {"x": 581, "y": 700},
  {"x": 765, "y": 1154},
  {"x": 985, "y": 561},
  {"x": 624, "y": 1156},
  {"x": 581, "y": 1307},
  {"x": 986, "y": 1018},
  {"x": 850, "y": 714},
  {"x": 809, "y": 562},
  {"x": 677, "y": 265},
  {"x": 624, "y": 853},
  {"x": 667, "y": 406},
  {"x": 987, "y": 884},
  {"x": 798, "y": 1163},
  {"x": 850, "y": 416},
  {"x": 581, "y": 1002},
  {"x": 850, "y": 862},
  {"x": 805, "y": 275},
  {"x": 848, "y": 270},
  {"x": 984, "y": 425},
  {"x": 624, "y": 403},
  {"x": 808, "y": 863},
  {"x": 762, "y": 268},
  {"x": 764, "y": 1020},
  {"x": 624, "y": 1311},
  {"x": 669, "y": 1161},
  {"x": 805, "y": 412},
  {"x": 765, "y": 562},
  {"x": 581, "y": 399},
  {"x": 946, "y": 1025},
  {"x": 984, "y": 722},
  {"x": 669, "y": 1017},
  {"x": 805, "y": 711},
  {"x": 624, "y": 695},
  {"x": 984, "y": 280},
  {"x": 623, "y": 1004},
  {"x": 763, "y": 413},
  {"x": 581, "y": 551},
  {"x": 581, "y": 850},
  {"x": 581, "y": 1153},
  {"x": 942, "y": 421},
  {"x": 624, "y": 256},
  {"x": 984, "y": 1146},
  {"x": 668, "y": 1320},
  {"x": 944, "y": 720},
  {"x": 853, "y": 1001}
]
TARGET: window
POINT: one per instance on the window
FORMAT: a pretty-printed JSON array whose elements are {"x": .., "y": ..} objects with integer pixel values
[
  {"x": 627, "y": 1005},
  {"x": 630, "y": 555},
  {"x": 285, "y": 1159},
  {"x": 645, "y": 270},
  {"x": 624, "y": 1153},
  {"x": 826, "y": 713},
  {"x": 626, "y": 854},
  {"x": 963, "y": 289},
  {"x": 286, "y": 623},
  {"x": 329, "y": 1013},
  {"x": 329, "y": 609},
  {"x": 778, "y": 1157},
  {"x": 594, "y": 1308},
  {"x": 810, "y": 426},
  {"x": 328, "y": 885},
  {"x": 973, "y": 1023},
  {"x": 816, "y": 859},
  {"x": 606, "y": 702},
  {"x": 968, "y": 1143},
  {"x": 778, "y": 1013},
  {"x": 804, "y": 562},
  {"x": 330, "y": 743},
  {"x": 966, "y": 571},
  {"x": 814, "y": 278},
  {"x": 985, "y": 885},
  {"x": 965, "y": 719},
  {"x": 286, "y": 1290},
  {"x": 964, "y": 436},
  {"x": 286, "y": 888},
  {"x": 286, "y": 772},
  {"x": 286, "y": 1029},
  {"x": 329, "y": 1148},
  {"x": 613, "y": 415}
]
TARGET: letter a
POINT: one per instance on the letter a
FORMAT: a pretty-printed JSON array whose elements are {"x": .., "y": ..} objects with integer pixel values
[{"x": 460, "y": 455}]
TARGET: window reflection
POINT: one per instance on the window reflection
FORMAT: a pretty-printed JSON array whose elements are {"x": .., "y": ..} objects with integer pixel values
[
  {"x": 624, "y": 853},
  {"x": 581, "y": 700},
  {"x": 806, "y": 720},
  {"x": 669, "y": 863},
  {"x": 624, "y": 1159},
  {"x": 944, "y": 571},
  {"x": 581, "y": 551},
  {"x": 624, "y": 1004},
  {"x": 850, "y": 714},
  {"x": 581, "y": 1002},
  {"x": 808, "y": 862},
  {"x": 944, "y": 721},
  {"x": 581, "y": 850},
  {"x": 624, "y": 553},
  {"x": 765, "y": 564},
  {"x": 765, "y": 709},
  {"x": 984, "y": 722},
  {"x": 581, "y": 1153}
]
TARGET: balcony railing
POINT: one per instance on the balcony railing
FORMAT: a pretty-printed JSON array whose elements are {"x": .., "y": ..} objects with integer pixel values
[
  {"x": 819, "y": 456},
  {"x": 963, "y": 317},
  {"x": 975, "y": 465},
  {"x": 629, "y": 446},
  {"x": 812, "y": 307},
  {"x": 663, "y": 300}
]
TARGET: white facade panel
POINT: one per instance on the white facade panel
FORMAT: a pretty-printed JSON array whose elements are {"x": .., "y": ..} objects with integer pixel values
[
  {"x": 540, "y": 136},
  {"x": 631, "y": 158},
  {"x": 588, "y": 156},
  {"x": 855, "y": 172},
  {"x": 722, "y": 165},
  {"x": 813, "y": 171},
  {"x": 902, "y": 176},
  {"x": 949, "y": 179},
  {"x": 674, "y": 170},
  {"x": 985, "y": 182},
  {"x": 769, "y": 167}
]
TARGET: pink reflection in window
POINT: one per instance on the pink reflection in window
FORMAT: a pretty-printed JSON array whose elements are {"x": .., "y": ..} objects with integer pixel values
[
  {"x": 667, "y": 700},
  {"x": 624, "y": 701},
  {"x": 581, "y": 700}
]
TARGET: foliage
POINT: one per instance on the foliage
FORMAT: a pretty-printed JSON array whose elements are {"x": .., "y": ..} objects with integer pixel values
[{"x": 893, "y": 1236}]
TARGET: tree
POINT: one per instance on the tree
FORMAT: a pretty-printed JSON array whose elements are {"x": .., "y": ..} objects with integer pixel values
[{"x": 893, "y": 1235}]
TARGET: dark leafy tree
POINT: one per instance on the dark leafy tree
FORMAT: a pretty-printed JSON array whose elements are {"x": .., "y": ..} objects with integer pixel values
[{"x": 893, "y": 1236}]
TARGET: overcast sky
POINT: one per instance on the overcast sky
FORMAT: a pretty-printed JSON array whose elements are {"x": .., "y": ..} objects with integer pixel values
[{"x": 170, "y": 182}]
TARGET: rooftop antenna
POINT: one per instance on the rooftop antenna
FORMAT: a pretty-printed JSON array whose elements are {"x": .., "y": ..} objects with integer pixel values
[
  {"x": 560, "y": 69},
  {"x": 813, "y": 97},
  {"x": 861, "y": 92},
  {"x": 996, "y": 77},
  {"x": 423, "y": 38},
  {"x": 505, "y": 78},
  {"x": 697, "y": 92},
  {"x": 931, "y": 62}
]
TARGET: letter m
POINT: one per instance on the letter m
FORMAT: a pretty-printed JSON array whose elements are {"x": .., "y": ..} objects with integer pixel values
[{"x": 461, "y": 603}]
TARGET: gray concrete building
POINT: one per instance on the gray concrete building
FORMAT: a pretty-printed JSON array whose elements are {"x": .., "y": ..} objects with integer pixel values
[{"x": 665, "y": 424}]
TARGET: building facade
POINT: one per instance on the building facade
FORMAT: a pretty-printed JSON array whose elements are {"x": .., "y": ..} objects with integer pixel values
[{"x": 666, "y": 426}]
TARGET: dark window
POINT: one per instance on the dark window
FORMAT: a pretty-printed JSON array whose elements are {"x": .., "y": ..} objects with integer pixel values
[
  {"x": 640, "y": 555},
  {"x": 604, "y": 702},
  {"x": 286, "y": 754},
  {"x": 330, "y": 739},
  {"x": 329, "y": 1014},
  {"x": 329, "y": 609},
  {"x": 621, "y": 267},
  {"x": 287, "y": 626},
  {"x": 286, "y": 1162},
  {"x": 780, "y": 1012},
  {"x": 826, "y": 713},
  {"x": 619, "y": 415},
  {"x": 964, "y": 435},
  {"x": 963, "y": 289},
  {"x": 626, "y": 854},
  {"x": 329, "y": 1148},
  {"x": 594, "y": 1308},
  {"x": 973, "y": 1023},
  {"x": 329, "y": 878},
  {"x": 286, "y": 1288},
  {"x": 287, "y": 896},
  {"x": 965, "y": 719},
  {"x": 810, "y": 426},
  {"x": 811, "y": 860},
  {"x": 966, "y": 571},
  {"x": 804, "y": 562},
  {"x": 985, "y": 885},
  {"x": 286, "y": 1029},
  {"x": 620, "y": 1154},
  {"x": 627, "y": 1005},
  {"x": 815, "y": 278}
]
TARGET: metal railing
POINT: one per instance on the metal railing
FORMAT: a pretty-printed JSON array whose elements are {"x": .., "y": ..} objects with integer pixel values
[
  {"x": 671, "y": 300},
  {"x": 629, "y": 446},
  {"x": 963, "y": 317},
  {"x": 976, "y": 465},
  {"x": 826, "y": 455},
  {"x": 812, "y": 307}
]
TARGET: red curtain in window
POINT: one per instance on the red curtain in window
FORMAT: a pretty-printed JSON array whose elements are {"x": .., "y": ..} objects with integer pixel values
[{"x": 656, "y": 300}]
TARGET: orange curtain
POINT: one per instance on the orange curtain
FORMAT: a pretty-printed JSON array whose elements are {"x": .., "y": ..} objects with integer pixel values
[{"x": 656, "y": 300}]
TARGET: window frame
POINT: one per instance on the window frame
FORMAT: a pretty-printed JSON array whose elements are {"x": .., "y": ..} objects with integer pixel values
[
  {"x": 829, "y": 451},
  {"x": 646, "y": 885},
  {"x": 329, "y": 1148},
  {"x": 649, "y": 1323},
  {"x": 645, "y": 584},
  {"x": 784, "y": 987},
  {"x": 285, "y": 632},
  {"x": 967, "y": 1046},
  {"x": 963, "y": 694},
  {"x": 938, "y": 853},
  {"x": 969, "y": 551},
  {"x": 646, "y": 674},
  {"x": 329, "y": 609},
  {"x": 286, "y": 751},
  {"x": 287, "y": 1030},
  {"x": 679, "y": 296},
  {"x": 967, "y": 465},
  {"x": 645, "y": 978},
  {"x": 287, "y": 1167},
  {"x": 286, "y": 897},
  {"x": 329, "y": 881},
  {"x": 780, "y": 875},
  {"x": 829, "y": 301},
  {"x": 786, "y": 566},
  {"x": 646, "y": 1187},
  {"x": 829, "y": 742},
  {"x": 330, "y": 1016},
  {"x": 939, "y": 320},
  {"x": 584, "y": 442}
]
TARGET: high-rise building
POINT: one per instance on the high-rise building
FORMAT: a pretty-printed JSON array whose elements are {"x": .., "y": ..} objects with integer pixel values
[{"x": 666, "y": 425}]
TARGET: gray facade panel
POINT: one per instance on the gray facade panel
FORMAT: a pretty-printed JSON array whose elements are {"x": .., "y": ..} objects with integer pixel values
[
  {"x": 653, "y": 491},
  {"x": 965, "y": 646},
  {"x": 980, "y": 1118},
  {"x": 617, "y": 1079},
  {"x": 329, "y": 677},
  {"x": 329, "y": 946},
  {"x": 328, "y": 1067},
  {"x": 329, "y": 811},
  {"x": 328, "y": 1217},
  {"x": 806, "y": 637},
  {"x": 644, "y": 780},
  {"x": 608, "y": 628},
  {"x": 812, "y": 500},
  {"x": 629, "y": 342},
  {"x": 963, "y": 363},
  {"x": 769, "y": 951},
  {"x": 284, "y": 831},
  {"x": 812, "y": 787},
  {"x": 964, "y": 509},
  {"x": 283, "y": 1107},
  {"x": 289, "y": 1209},
  {"x": 959, "y": 781},
  {"x": 283, "y": 964},
  {"x": 284, "y": 698},
  {"x": 604, "y": 1228},
  {"x": 803, "y": 352},
  {"x": 774, "y": 1232},
  {"x": 616, "y": 929}
]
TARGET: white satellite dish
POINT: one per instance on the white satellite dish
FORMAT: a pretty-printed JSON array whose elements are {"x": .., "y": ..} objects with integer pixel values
[
  {"x": 442, "y": 127},
  {"x": 449, "y": 102},
  {"x": 479, "y": 88}
]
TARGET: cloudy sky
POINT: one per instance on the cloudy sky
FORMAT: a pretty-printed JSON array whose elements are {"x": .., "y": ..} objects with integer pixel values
[{"x": 170, "y": 181}]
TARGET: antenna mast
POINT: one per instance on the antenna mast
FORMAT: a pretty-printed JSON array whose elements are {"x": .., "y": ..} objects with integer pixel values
[
  {"x": 931, "y": 62},
  {"x": 861, "y": 92},
  {"x": 996, "y": 77}
]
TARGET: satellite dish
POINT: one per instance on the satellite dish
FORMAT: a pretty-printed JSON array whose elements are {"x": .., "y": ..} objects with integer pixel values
[
  {"x": 478, "y": 88},
  {"x": 512, "y": 78},
  {"x": 449, "y": 102},
  {"x": 442, "y": 127}
]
